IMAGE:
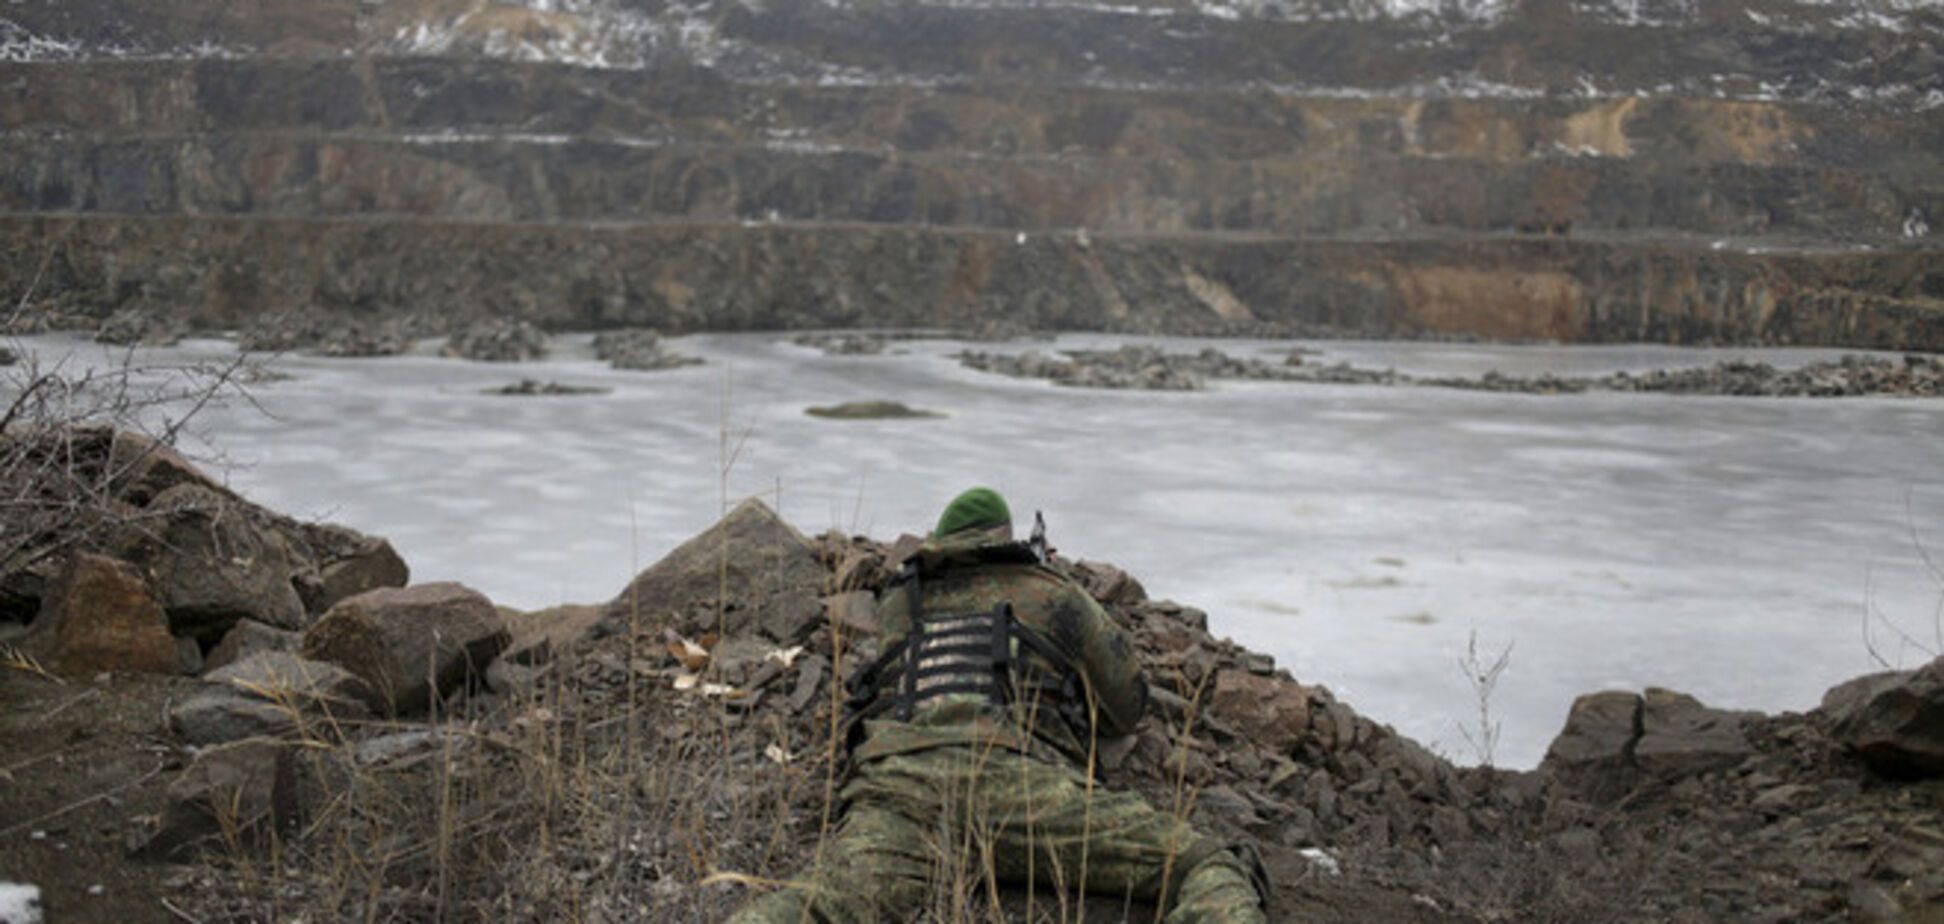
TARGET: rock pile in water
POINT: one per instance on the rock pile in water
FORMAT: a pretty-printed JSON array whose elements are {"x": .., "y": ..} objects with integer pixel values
[
  {"x": 139, "y": 326},
  {"x": 532, "y": 388},
  {"x": 284, "y": 333},
  {"x": 498, "y": 341},
  {"x": 638, "y": 349},
  {"x": 870, "y": 410},
  {"x": 1851, "y": 376},
  {"x": 843, "y": 344},
  {"x": 1914, "y": 376},
  {"x": 1150, "y": 368},
  {"x": 1146, "y": 367}
]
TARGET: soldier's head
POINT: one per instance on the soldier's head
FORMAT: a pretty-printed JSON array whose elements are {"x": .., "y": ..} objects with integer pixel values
[{"x": 977, "y": 509}]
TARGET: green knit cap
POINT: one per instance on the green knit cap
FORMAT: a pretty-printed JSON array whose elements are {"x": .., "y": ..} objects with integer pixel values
[{"x": 979, "y": 508}]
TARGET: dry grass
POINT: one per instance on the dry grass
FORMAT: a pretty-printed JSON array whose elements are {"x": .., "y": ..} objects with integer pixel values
[{"x": 598, "y": 793}]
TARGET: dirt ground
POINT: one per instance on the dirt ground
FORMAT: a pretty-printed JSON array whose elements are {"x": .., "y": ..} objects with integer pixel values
[{"x": 84, "y": 767}]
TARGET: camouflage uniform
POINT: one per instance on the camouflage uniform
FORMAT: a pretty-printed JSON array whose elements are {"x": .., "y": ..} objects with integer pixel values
[{"x": 963, "y": 787}]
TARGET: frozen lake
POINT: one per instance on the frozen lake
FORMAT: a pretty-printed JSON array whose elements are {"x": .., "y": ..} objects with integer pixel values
[{"x": 1719, "y": 546}]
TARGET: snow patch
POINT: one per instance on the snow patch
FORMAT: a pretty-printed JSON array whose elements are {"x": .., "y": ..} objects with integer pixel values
[
  {"x": 1466, "y": 11},
  {"x": 452, "y": 136},
  {"x": 1322, "y": 860},
  {"x": 586, "y": 33},
  {"x": 19, "y": 904},
  {"x": 20, "y": 46},
  {"x": 1583, "y": 150}
]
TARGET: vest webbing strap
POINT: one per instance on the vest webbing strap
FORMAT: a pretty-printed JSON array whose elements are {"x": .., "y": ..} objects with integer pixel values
[{"x": 961, "y": 653}]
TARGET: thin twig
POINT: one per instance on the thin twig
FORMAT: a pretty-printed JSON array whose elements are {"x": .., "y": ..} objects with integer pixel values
[
  {"x": 180, "y": 914},
  {"x": 57, "y": 710}
]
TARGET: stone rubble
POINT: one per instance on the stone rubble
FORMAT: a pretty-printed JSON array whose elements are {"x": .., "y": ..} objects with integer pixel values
[{"x": 211, "y": 560}]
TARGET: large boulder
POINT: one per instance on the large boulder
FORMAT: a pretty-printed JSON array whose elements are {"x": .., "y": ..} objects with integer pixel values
[
  {"x": 214, "y": 561},
  {"x": 410, "y": 645},
  {"x": 269, "y": 694},
  {"x": 100, "y": 616},
  {"x": 1893, "y": 721},
  {"x": 1680, "y": 737},
  {"x": 1271, "y": 711},
  {"x": 347, "y": 563},
  {"x": 751, "y": 572}
]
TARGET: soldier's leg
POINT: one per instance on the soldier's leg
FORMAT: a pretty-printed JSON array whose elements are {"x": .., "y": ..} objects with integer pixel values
[
  {"x": 874, "y": 871},
  {"x": 1055, "y": 828}
]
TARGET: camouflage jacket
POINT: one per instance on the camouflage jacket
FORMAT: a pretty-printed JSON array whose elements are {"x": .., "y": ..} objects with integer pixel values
[{"x": 958, "y": 574}]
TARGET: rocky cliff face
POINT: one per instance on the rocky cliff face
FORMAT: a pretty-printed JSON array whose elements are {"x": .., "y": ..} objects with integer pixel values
[{"x": 1759, "y": 170}]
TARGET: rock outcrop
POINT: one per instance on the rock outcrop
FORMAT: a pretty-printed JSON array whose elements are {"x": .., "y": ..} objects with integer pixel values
[
  {"x": 1538, "y": 169},
  {"x": 749, "y": 573}
]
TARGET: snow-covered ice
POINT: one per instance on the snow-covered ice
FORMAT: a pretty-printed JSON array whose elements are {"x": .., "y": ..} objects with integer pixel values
[{"x": 1725, "y": 547}]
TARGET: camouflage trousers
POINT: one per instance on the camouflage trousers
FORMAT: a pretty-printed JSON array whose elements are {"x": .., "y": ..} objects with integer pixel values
[{"x": 933, "y": 828}]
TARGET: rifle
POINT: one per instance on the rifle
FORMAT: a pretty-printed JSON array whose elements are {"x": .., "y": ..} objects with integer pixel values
[{"x": 1041, "y": 550}]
